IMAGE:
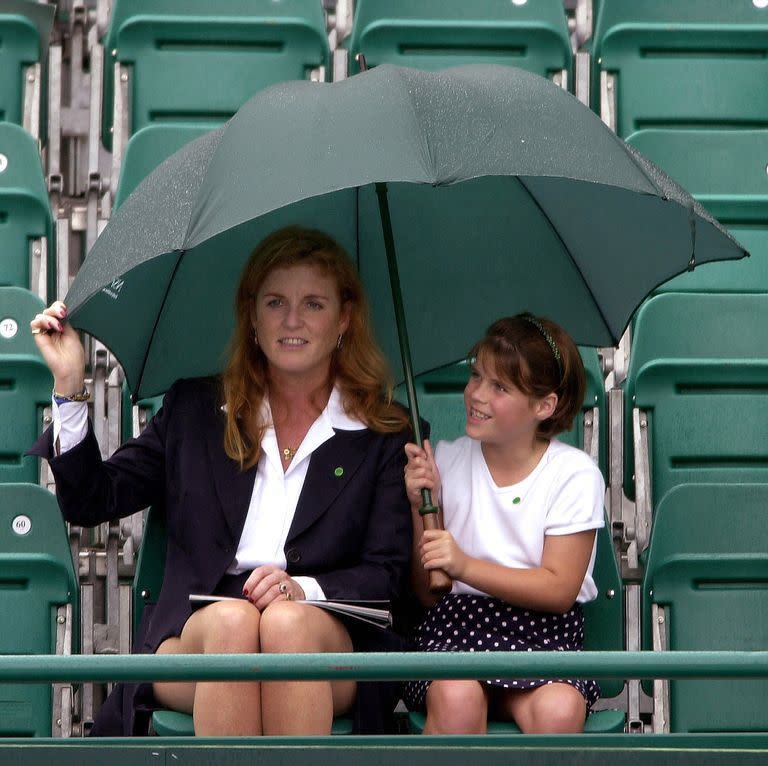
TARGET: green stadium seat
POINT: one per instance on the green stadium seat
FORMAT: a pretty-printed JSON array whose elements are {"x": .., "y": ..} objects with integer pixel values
[
  {"x": 697, "y": 374},
  {"x": 25, "y": 385},
  {"x": 434, "y": 34},
  {"x": 603, "y": 631},
  {"x": 705, "y": 589},
  {"x": 726, "y": 171},
  {"x": 683, "y": 64},
  {"x": 25, "y": 214},
  {"x": 440, "y": 396},
  {"x": 39, "y": 606},
  {"x": 198, "y": 61},
  {"x": 147, "y": 148},
  {"x": 24, "y": 32}
]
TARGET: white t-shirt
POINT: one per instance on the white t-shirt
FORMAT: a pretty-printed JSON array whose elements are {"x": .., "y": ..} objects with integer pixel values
[{"x": 563, "y": 494}]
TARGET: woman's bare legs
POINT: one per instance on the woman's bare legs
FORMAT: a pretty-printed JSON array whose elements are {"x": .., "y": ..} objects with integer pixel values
[
  {"x": 220, "y": 708},
  {"x": 456, "y": 707},
  {"x": 302, "y": 707},
  {"x": 556, "y": 708}
]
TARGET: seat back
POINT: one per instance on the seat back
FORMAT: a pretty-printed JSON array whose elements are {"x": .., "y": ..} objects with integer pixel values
[
  {"x": 688, "y": 63},
  {"x": 147, "y": 148},
  {"x": 604, "y": 617},
  {"x": 25, "y": 213},
  {"x": 36, "y": 578},
  {"x": 434, "y": 34},
  {"x": 699, "y": 369},
  {"x": 708, "y": 567},
  {"x": 194, "y": 60},
  {"x": 725, "y": 171},
  {"x": 20, "y": 46},
  {"x": 25, "y": 385}
]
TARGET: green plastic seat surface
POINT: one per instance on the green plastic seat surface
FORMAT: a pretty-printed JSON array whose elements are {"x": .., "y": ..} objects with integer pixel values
[
  {"x": 708, "y": 564},
  {"x": 25, "y": 212},
  {"x": 25, "y": 385},
  {"x": 197, "y": 61},
  {"x": 19, "y": 47},
  {"x": 36, "y": 577},
  {"x": 699, "y": 368},
  {"x": 725, "y": 170},
  {"x": 147, "y": 148},
  {"x": 434, "y": 34},
  {"x": 683, "y": 64}
]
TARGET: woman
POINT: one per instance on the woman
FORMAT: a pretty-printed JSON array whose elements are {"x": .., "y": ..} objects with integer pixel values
[{"x": 280, "y": 481}]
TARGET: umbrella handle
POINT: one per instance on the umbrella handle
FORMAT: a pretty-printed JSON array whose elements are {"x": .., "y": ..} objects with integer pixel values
[{"x": 439, "y": 581}]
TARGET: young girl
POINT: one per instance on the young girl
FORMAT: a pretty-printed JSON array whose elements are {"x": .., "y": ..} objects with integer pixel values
[{"x": 519, "y": 510}]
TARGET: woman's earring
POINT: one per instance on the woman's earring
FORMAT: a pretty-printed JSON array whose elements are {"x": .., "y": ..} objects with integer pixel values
[
  {"x": 256, "y": 337},
  {"x": 338, "y": 342}
]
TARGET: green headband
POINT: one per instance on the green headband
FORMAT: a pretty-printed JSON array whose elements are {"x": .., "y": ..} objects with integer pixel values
[{"x": 547, "y": 337}]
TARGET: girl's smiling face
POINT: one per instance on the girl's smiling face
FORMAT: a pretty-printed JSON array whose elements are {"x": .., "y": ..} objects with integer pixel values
[{"x": 498, "y": 412}]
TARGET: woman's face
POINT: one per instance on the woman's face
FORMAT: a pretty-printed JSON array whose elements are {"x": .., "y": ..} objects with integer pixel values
[{"x": 298, "y": 318}]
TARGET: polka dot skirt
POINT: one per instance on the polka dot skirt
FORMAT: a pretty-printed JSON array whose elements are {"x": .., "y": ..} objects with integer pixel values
[{"x": 464, "y": 622}]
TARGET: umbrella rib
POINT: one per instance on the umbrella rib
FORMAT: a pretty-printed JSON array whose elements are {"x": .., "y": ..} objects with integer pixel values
[
  {"x": 143, "y": 367},
  {"x": 570, "y": 255}
]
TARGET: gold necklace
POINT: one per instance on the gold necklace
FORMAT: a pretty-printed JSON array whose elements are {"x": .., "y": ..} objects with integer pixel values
[{"x": 289, "y": 452}]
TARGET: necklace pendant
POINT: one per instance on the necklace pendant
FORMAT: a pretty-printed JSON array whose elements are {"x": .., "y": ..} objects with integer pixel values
[{"x": 288, "y": 453}]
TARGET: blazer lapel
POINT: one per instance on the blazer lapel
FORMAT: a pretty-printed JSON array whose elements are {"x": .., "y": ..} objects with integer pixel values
[
  {"x": 233, "y": 486},
  {"x": 331, "y": 466}
]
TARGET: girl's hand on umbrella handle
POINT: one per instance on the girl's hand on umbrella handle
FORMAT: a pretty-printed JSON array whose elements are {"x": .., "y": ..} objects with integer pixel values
[
  {"x": 421, "y": 473},
  {"x": 61, "y": 348},
  {"x": 440, "y": 551}
]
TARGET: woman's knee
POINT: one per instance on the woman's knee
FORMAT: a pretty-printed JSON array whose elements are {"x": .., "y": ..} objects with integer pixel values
[
  {"x": 230, "y": 626},
  {"x": 290, "y": 627}
]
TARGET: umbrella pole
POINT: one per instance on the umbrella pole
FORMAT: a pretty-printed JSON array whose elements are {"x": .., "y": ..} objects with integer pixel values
[{"x": 439, "y": 581}]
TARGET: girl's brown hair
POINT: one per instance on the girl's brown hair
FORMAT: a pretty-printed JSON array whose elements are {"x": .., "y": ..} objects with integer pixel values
[
  {"x": 538, "y": 357},
  {"x": 358, "y": 367}
]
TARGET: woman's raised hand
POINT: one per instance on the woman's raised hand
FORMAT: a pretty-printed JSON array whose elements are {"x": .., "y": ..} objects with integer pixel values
[
  {"x": 61, "y": 348},
  {"x": 421, "y": 473}
]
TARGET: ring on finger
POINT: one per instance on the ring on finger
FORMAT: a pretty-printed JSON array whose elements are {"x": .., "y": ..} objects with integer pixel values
[{"x": 283, "y": 587}]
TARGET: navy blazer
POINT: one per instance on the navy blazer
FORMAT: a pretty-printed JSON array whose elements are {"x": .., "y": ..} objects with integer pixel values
[{"x": 351, "y": 530}]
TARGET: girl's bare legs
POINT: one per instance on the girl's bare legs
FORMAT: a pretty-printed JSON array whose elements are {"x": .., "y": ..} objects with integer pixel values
[
  {"x": 556, "y": 708},
  {"x": 219, "y": 708},
  {"x": 456, "y": 707},
  {"x": 302, "y": 707}
]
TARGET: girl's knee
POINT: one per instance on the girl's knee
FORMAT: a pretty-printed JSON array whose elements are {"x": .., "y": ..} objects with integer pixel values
[
  {"x": 557, "y": 708},
  {"x": 456, "y": 707}
]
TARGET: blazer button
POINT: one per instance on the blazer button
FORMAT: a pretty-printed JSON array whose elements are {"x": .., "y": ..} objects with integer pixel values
[{"x": 292, "y": 556}]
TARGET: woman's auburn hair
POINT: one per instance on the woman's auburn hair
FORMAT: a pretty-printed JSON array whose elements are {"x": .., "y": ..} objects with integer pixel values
[
  {"x": 521, "y": 355},
  {"x": 358, "y": 368}
]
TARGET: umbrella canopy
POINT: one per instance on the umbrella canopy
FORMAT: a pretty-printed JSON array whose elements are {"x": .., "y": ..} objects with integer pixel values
[{"x": 505, "y": 194}]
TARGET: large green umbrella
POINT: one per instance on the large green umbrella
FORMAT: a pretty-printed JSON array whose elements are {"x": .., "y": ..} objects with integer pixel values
[{"x": 504, "y": 193}]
